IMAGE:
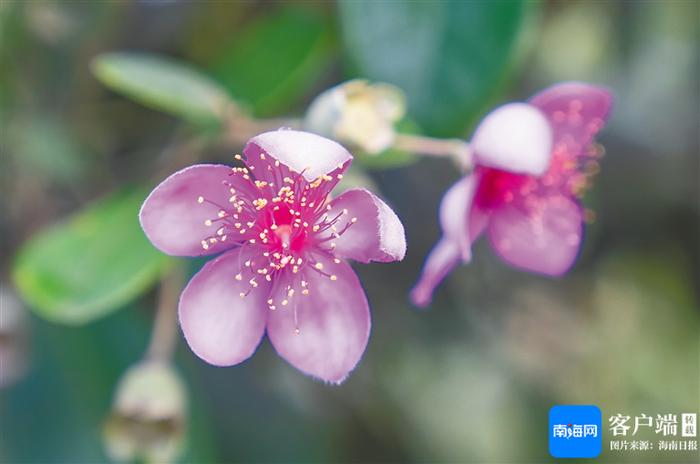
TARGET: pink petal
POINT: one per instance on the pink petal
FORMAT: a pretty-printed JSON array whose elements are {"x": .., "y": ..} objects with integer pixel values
[
  {"x": 478, "y": 220},
  {"x": 333, "y": 322},
  {"x": 440, "y": 262},
  {"x": 541, "y": 234},
  {"x": 221, "y": 327},
  {"x": 454, "y": 214},
  {"x": 462, "y": 221},
  {"x": 174, "y": 220},
  {"x": 376, "y": 235},
  {"x": 515, "y": 137},
  {"x": 577, "y": 111},
  {"x": 305, "y": 152}
]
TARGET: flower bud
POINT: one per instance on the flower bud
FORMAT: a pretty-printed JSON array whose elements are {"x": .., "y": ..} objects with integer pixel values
[
  {"x": 358, "y": 113},
  {"x": 148, "y": 415}
]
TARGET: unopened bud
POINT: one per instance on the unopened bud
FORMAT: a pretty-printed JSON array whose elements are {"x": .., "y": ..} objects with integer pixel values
[
  {"x": 358, "y": 113},
  {"x": 148, "y": 415}
]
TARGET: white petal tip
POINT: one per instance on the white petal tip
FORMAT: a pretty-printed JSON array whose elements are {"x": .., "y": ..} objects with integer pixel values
[{"x": 515, "y": 137}]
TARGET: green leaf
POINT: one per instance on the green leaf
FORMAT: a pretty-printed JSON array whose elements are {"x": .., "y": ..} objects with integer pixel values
[
  {"x": 163, "y": 84},
  {"x": 90, "y": 265},
  {"x": 277, "y": 59},
  {"x": 391, "y": 158},
  {"x": 449, "y": 57}
]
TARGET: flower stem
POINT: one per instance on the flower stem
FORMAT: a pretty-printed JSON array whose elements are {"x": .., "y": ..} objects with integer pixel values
[
  {"x": 164, "y": 335},
  {"x": 456, "y": 149}
]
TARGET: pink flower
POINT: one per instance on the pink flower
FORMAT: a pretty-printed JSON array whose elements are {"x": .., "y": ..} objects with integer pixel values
[
  {"x": 284, "y": 242},
  {"x": 532, "y": 162}
]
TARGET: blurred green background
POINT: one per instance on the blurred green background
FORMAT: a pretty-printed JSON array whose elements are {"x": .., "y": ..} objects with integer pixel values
[{"x": 471, "y": 379}]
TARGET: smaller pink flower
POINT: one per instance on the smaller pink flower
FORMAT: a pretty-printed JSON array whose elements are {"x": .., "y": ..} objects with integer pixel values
[
  {"x": 284, "y": 243},
  {"x": 533, "y": 161}
]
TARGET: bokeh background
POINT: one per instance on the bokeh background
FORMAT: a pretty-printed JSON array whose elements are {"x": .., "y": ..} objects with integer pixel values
[{"x": 469, "y": 380}]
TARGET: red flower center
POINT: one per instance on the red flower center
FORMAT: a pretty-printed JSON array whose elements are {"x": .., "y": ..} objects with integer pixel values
[{"x": 569, "y": 173}]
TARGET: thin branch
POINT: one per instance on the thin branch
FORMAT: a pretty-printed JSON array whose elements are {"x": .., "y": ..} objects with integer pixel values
[
  {"x": 455, "y": 149},
  {"x": 164, "y": 335}
]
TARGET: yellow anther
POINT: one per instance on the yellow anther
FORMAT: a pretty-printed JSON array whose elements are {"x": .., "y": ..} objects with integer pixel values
[{"x": 259, "y": 203}]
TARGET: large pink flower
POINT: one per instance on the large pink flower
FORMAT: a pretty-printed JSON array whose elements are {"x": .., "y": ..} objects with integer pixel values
[
  {"x": 284, "y": 242},
  {"x": 532, "y": 162}
]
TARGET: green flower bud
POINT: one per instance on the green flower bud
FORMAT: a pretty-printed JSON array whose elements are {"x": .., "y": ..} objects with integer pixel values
[{"x": 148, "y": 415}]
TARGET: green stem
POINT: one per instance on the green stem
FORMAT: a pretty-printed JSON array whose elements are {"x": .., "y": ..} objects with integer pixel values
[{"x": 164, "y": 335}]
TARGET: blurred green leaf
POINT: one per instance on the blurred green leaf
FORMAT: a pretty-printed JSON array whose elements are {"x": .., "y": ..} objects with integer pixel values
[
  {"x": 449, "y": 57},
  {"x": 89, "y": 266},
  {"x": 275, "y": 60},
  {"x": 74, "y": 373},
  {"x": 392, "y": 157},
  {"x": 163, "y": 84}
]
